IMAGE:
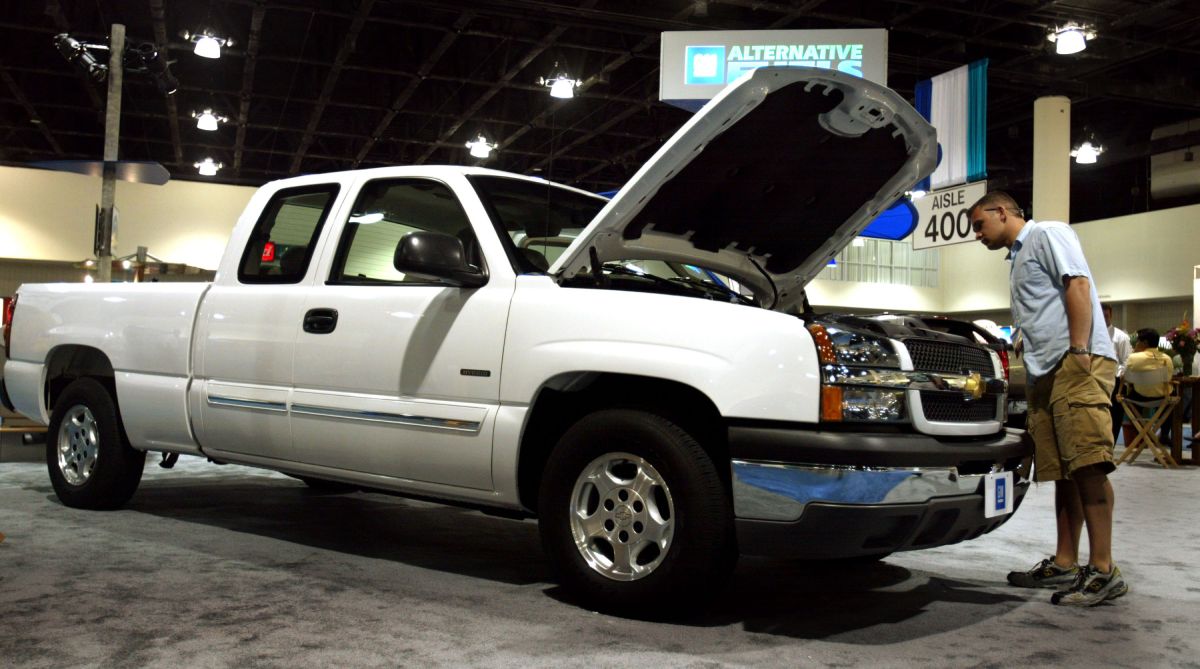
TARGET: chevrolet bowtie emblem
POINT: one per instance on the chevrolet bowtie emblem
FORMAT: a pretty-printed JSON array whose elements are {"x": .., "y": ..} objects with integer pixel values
[{"x": 974, "y": 386}]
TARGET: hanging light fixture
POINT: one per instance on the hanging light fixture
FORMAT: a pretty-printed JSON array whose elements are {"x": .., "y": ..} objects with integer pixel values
[
  {"x": 208, "y": 168},
  {"x": 1071, "y": 38},
  {"x": 561, "y": 85},
  {"x": 480, "y": 147},
  {"x": 207, "y": 44},
  {"x": 207, "y": 120},
  {"x": 1087, "y": 153}
]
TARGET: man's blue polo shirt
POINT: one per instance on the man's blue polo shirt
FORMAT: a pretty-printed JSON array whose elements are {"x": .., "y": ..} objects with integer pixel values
[{"x": 1044, "y": 253}]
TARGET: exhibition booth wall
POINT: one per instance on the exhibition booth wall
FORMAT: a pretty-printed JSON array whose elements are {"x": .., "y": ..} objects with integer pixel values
[{"x": 47, "y": 215}]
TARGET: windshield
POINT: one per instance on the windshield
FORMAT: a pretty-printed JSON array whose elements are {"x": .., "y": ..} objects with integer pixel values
[{"x": 537, "y": 221}]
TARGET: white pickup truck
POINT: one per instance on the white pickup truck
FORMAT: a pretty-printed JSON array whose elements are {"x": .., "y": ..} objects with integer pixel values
[{"x": 642, "y": 374}]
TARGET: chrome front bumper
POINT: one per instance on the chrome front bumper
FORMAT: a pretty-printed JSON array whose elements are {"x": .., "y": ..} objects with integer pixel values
[{"x": 781, "y": 492}]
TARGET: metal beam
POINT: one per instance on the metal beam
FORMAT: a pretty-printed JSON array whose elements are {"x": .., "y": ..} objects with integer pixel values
[
  {"x": 507, "y": 77},
  {"x": 422, "y": 73},
  {"x": 54, "y": 11},
  {"x": 34, "y": 118},
  {"x": 601, "y": 75},
  {"x": 251, "y": 58},
  {"x": 160, "y": 39},
  {"x": 340, "y": 157},
  {"x": 331, "y": 77}
]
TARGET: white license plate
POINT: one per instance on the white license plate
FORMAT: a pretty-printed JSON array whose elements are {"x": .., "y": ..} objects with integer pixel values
[{"x": 998, "y": 494}]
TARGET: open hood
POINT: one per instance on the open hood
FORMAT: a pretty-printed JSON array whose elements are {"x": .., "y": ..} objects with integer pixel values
[{"x": 767, "y": 182}]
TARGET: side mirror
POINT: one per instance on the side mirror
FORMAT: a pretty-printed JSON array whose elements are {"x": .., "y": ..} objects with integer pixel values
[{"x": 436, "y": 256}]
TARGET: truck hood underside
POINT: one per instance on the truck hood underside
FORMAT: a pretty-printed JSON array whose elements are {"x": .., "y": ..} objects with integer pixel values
[{"x": 780, "y": 171}]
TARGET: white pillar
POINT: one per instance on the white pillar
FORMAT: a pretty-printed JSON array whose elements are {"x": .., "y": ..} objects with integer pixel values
[
  {"x": 1052, "y": 159},
  {"x": 1195, "y": 299}
]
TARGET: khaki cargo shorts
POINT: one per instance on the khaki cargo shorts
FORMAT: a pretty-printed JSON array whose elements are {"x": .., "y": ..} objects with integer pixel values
[{"x": 1069, "y": 418}]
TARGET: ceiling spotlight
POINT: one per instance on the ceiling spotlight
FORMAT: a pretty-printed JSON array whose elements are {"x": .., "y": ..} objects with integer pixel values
[
  {"x": 78, "y": 53},
  {"x": 916, "y": 194},
  {"x": 207, "y": 45},
  {"x": 480, "y": 147},
  {"x": 561, "y": 85},
  {"x": 207, "y": 167},
  {"x": 1071, "y": 38},
  {"x": 207, "y": 120},
  {"x": 1087, "y": 153}
]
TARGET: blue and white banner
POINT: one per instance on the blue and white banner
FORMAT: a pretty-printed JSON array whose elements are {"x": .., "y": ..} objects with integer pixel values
[{"x": 955, "y": 103}]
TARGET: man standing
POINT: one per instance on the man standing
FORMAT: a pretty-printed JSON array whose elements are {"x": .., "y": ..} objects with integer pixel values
[
  {"x": 1121, "y": 345},
  {"x": 1071, "y": 368}
]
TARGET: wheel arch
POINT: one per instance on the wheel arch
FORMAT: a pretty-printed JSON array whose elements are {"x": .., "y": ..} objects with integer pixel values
[
  {"x": 565, "y": 398},
  {"x": 68, "y": 362}
]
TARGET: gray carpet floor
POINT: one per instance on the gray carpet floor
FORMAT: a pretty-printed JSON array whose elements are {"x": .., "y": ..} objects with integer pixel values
[{"x": 214, "y": 566}]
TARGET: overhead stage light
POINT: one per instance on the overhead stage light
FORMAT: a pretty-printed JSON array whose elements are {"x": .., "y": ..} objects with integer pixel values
[
  {"x": 1071, "y": 38},
  {"x": 207, "y": 168},
  {"x": 207, "y": 45},
  {"x": 207, "y": 120},
  {"x": 561, "y": 85},
  {"x": 480, "y": 147},
  {"x": 1087, "y": 153}
]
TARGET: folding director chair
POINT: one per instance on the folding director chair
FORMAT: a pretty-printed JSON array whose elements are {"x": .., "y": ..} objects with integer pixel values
[{"x": 1147, "y": 428}]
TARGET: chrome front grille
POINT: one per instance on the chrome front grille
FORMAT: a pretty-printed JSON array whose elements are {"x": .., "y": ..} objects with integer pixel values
[{"x": 949, "y": 358}]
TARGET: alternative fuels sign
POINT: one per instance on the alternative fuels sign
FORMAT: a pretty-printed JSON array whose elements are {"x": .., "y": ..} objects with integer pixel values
[{"x": 696, "y": 65}]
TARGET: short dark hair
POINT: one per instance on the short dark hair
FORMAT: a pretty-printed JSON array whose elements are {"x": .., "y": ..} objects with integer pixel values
[
  {"x": 1148, "y": 336},
  {"x": 998, "y": 197},
  {"x": 1106, "y": 307}
]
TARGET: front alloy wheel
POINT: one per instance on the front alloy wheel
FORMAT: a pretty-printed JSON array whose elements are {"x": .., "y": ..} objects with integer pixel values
[
  {"x": 633, "y": 514},
  {"x": 622, "y": 516}
]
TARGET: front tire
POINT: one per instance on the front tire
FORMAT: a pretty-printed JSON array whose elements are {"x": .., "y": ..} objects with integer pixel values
[
  {"x": 91, "y": 464},
  {"x": 633, "y": 515}
]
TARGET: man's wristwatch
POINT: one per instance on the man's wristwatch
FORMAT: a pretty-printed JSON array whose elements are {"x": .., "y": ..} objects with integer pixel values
[{"x": 1078, "y": 350}]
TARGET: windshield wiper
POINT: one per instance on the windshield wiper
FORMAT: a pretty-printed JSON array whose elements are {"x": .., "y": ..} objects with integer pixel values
[{"x": 694, "y": 287}]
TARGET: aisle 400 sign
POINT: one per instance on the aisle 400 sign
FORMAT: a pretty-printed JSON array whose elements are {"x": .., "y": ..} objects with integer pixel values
[{"x": 942, "y": 216}]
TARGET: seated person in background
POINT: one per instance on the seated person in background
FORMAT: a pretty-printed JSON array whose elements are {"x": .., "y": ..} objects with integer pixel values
[{"x": 1146, "y": 357}]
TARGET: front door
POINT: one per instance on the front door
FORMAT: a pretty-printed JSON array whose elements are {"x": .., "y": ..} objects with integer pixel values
[{"x": 397, "y": 377}]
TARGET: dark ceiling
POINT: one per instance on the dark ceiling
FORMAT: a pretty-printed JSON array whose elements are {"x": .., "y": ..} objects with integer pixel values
[{"x": 319, "y": 85}]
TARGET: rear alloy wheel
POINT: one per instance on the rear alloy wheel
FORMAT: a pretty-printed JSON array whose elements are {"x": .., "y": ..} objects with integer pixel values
[
  {"x": 91, "y": 463},
  {"x": 633, "y": 515}
]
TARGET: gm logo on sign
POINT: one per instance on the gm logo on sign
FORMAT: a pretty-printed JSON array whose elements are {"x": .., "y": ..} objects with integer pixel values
[{"x": 704, "y": 65}]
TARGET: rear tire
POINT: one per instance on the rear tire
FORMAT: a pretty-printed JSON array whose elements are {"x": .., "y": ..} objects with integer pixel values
[
  {"x": 633, "y": 515},
  {"x": 91, "y": 464}
]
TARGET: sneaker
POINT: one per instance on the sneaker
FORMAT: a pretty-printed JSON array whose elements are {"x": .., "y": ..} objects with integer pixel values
[
  {"x": 1092, "y": 587},
  {"x": 1044, "y": 574}
]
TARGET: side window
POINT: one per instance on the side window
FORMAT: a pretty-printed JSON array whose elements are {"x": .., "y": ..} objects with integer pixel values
[
  {"x": 388, "y": 209},
  {"x": 282, "y": 244}
]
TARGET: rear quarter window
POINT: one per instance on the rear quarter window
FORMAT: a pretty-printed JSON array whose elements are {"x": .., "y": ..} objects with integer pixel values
[{"x": 282, "y": 243}]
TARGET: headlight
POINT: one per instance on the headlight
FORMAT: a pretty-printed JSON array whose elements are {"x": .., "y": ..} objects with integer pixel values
[
  {"x": 851, "y": 363},
  {"x": 859, "y": 350}
]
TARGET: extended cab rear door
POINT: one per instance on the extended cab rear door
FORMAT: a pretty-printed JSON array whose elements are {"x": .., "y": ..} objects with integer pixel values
[
  {"x": 248, "y": 322},
  {"x": 394, "y": 376}
]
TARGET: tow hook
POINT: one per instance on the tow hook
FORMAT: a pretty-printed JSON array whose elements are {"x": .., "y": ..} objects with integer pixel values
[{"x": 168, "y": 460}]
